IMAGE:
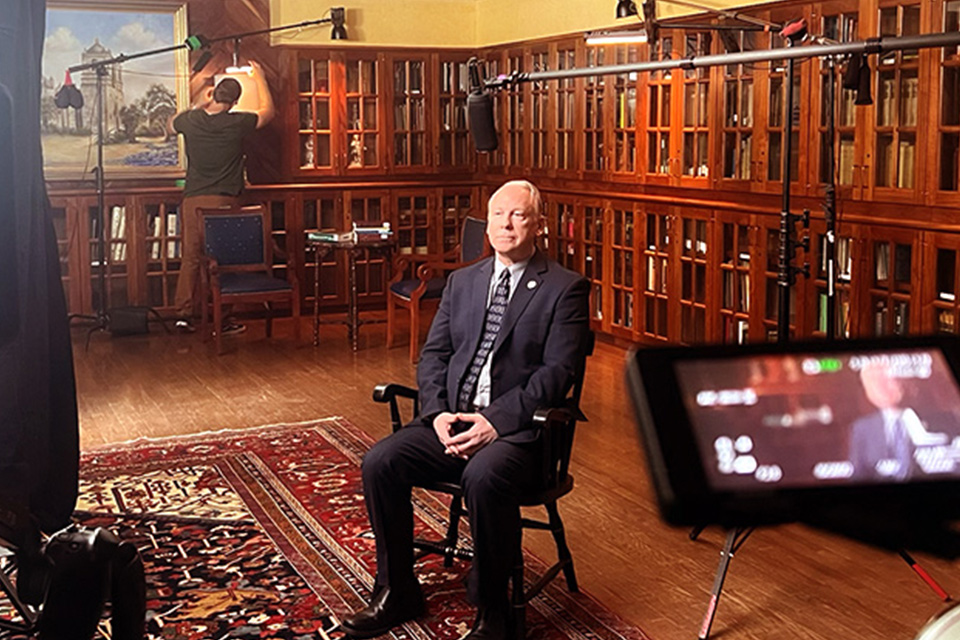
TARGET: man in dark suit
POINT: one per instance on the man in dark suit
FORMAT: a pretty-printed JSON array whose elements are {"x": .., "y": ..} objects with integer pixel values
[
  {"x": 882, "y": 443},
  {"x": 506, "y": 340}
]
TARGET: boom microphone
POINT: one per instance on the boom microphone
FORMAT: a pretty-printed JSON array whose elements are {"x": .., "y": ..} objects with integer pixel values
[{"x": 480, "y": 110}]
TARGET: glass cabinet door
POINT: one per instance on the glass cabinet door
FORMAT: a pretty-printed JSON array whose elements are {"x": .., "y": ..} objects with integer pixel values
[
  {"x": 695, "y": 157},
  {"x": 655, "y": 275},
  {"x": 594, "y": 216},
  {"x": 361, "y": 131},
  {"x": 454, "y": 145},
  {"x": 659, "y": 107},
  {"x": 844, "y": 282},
  {"x": 736, "y": 290},
  {"x": 948, "y": 115},
  {"x": 322, "y": 212},
  {"x": 941, "y": 287},
  {"x": 562, "y": 234},
  {"x": 315, "y": 124},
  {"x": 411, "y": 146},
  {"x": 565, "y": 112},
  {"x": 162, "y": 250},
  {"x": 694, "y": 253},
  {"x": 891, "y": 284},
  {"x": 738, "y": 162},
  {"x": 625, "y": 113},
  {"x": 540, "y": 140},
  {"x": 897, "y": 106},
  {"x": 623, "y": 252},
  {"x": 594, "y": 151},
  {"x": 516, "y": 150},
  {"x": 839, "y": 26}
]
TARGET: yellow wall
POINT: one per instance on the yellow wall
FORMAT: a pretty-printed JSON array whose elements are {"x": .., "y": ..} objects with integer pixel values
[
  {"x": 423, "y": 23},
  {"x": 459, "y": 23}
]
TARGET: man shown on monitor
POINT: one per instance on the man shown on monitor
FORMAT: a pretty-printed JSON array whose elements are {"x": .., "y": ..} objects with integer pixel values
[{"x": 882, "y": 444}]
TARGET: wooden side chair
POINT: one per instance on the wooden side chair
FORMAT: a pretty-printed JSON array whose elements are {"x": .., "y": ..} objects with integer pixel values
[
  {"x": 557, "y": 425},
  {"x": 424, "y": 290},
  {"x": 236, "y": 268}
]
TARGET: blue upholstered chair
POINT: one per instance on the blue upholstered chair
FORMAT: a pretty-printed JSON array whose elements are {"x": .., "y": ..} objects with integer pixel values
[
  {"x": 236, "y": 268},
  {"x": 424, "y": 290}
]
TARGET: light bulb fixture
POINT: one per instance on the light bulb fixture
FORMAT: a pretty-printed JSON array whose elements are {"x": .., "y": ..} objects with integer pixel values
[
  {"x": 626, "y": 8},
  {"x": 600, "y": 38},
  {"x": 337, "y": 17}
]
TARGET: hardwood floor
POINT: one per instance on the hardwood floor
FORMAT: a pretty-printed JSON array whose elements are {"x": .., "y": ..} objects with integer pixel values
[{"x": 786, "y": 582}]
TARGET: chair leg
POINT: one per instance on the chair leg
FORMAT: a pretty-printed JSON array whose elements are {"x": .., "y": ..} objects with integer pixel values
[
  {"x": 218, "y": 321},
  {"x": 453, "y": 529},
  {"x": 414, "y": 330},
  {"x": 563, "y": 552},
  {"x": 518, "y": 600},
  {"x": 391, "y": 319},
  {"x": 295, "y": 312},
  {"x": 269, "y": 318}
]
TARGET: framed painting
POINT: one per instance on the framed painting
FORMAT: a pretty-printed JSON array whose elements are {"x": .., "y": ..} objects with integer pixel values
[{"x": 139, "y": 95}]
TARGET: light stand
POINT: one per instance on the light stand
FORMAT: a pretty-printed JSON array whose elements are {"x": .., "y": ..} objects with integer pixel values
[
  {"x": 101, "y": 317},
  {"x": 830, "y": 201}
]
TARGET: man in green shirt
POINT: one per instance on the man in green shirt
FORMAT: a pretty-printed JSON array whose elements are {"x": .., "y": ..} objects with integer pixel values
[{"x": 213, "y": 136}]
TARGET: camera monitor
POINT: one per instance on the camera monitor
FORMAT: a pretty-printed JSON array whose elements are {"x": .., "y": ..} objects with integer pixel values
[{"x": 771, "y": 433}]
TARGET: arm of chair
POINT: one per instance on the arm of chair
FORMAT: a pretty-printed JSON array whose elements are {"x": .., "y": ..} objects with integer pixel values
[
  {"x": 557, "y": 425},
  {"x": 389, "y": 393}
]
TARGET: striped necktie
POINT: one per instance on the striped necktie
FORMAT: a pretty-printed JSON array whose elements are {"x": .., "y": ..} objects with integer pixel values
[{"x": 491, "y": 326}]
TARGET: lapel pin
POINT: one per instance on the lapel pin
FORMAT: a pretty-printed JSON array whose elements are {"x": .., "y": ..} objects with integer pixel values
[{"x": 531, "y": 284}]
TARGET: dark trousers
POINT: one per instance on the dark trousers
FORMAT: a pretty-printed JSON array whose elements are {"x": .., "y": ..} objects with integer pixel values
[{"x": 492, "y": 480}]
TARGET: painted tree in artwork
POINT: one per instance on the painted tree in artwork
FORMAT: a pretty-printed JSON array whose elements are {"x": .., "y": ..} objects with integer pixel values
[{"x": 157, "y": 106}]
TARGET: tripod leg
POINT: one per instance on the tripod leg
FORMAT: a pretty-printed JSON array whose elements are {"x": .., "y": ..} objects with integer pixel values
[
  {"x": 735, "y": 538},
  {"x": 926, "y": 577}
]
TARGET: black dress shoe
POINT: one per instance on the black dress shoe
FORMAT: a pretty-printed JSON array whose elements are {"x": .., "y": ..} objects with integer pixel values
[
  {"x": 492, "y": 624},
  {"x": 388, "y": 608}
]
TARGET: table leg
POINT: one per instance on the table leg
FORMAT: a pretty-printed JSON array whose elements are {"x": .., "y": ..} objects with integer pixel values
[
  {"x": 353, "y": 323},
  {"x": 318, "y": 258}
]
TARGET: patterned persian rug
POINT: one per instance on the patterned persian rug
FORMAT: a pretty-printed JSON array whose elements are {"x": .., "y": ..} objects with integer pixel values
[{"x": 262, "y": 533}]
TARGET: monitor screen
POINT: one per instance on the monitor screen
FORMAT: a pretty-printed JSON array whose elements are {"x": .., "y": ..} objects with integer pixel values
[{"x": 823, "y": 418}]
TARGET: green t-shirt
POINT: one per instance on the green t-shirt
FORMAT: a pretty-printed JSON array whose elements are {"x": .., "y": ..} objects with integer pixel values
[{"x": 214, "y": 150}]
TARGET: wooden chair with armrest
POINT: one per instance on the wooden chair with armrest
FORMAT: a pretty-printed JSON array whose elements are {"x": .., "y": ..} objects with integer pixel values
[
  {"x": 557, "y": 425},
  {"x": 236, "y": 268},
  {"x": 424, "y": 290}
]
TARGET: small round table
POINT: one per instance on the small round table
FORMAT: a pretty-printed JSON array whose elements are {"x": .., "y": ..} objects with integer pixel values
[{"x": 352, "y": 250}]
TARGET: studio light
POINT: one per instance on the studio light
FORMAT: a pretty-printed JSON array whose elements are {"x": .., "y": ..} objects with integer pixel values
[
  {"x": 600, "y": 38},
  {"x": 626, "y": 8},
  {"x": 337, "y": 17}
]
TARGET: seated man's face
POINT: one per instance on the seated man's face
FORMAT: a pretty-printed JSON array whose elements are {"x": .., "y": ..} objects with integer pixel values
[
  {"x": 882, "y": 389},
  {"x": 512, "y": 223}
]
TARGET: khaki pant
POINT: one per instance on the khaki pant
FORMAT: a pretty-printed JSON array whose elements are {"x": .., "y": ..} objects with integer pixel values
[{"x": 190, "y": 234}]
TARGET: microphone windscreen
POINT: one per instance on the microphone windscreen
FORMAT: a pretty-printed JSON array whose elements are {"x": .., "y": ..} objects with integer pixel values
[
  {"x": 480, "y": 121},
  {"x": 202, "y": 61},
  {"x": 851, "y": 75}
]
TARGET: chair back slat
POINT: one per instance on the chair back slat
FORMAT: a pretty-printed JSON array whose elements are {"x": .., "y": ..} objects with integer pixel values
[
  {"x": 472, "y": 239},
  {"x": 235, "y": 238}
]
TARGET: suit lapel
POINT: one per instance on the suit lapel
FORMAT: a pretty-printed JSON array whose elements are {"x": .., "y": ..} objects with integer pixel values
[
  {"x": 477, "y": 300},
  {"x": 530, "y": 283}
]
